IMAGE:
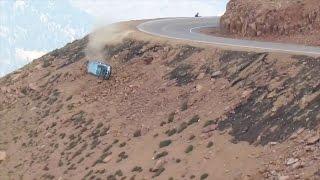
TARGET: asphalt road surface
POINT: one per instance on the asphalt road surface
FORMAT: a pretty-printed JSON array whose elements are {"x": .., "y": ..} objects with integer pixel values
[{"x": 188, "y": 29}]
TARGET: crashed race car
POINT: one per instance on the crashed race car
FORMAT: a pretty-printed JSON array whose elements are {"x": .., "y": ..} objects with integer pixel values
[{"x": 99, "y": 69}]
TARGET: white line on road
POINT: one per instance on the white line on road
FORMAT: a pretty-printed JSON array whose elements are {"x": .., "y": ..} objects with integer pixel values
[{"x": 142, "y": 28}]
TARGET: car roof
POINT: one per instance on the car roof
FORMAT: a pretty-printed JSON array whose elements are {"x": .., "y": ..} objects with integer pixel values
[{"x": 98, "y": 63}]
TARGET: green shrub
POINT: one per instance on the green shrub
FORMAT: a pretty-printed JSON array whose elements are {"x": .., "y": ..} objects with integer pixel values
[
  {"x": 182, "y": 127},
  {"x": 171, "y": 117},
  {"x": 104, "y": 131},
  {"x": 204, "y": 176},
  {"x": 51, "y": 100},
  {"x": 122, "y": 154},
  {"x": 107, "y": 148},
  {"x": 163, "y": 123},
  {"x": 69, "y": 98},
  {"x": 160, "y": 155},
  {"x": 122, "y": 144},
  {"x": 171, "y": 132},
  {"x": 210, "y": 144},
  {"x": 208, "y": 123},
  {"x": 111, "y": 177},
  {"x": 70, "y": 106},
  {"x": 24, "y": 90},
  {"x": 99, "y": 125},
  {"x": 165, "y": 143},
  {"x": 193, "y": 120},
  {"x": 137, "y": 169},
  {"x": 118, "y": 173},
  {"x": 62, "y": 135},
  {"x": 46, "y": 63},
  {"x": 60, "y": 163},
  {"x": 137, "y": 133},
  {"x": 191, "y": 137},
  {"x": 80, "y": 160},
  {"x": 189, "y": 149},
  {"x": 158, "y": 172},
  {"x": 115, "y": 141},
  {"x": 184, "y": 106}
]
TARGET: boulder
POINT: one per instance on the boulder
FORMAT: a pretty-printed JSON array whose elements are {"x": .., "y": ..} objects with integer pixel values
[
  {"x": 216, "y": 74},
  {"x": 313, "y": 140},
  {"x": 257, "y": 18},
  {"x": 3, "y": 156},
  {"x": 291, "y": 161},
  {"x": 210, "y": 128},
  {"x": 158, "y": 165},
  {"x": 107, "y": 159}
]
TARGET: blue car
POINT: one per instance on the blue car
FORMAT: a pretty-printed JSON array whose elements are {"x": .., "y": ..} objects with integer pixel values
[{"x": 99, "y": 69}]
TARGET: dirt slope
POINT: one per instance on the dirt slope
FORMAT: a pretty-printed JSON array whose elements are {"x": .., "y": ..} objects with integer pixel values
[
  {"x": 277, "y": 20},
  {"x": 168, "y": 112}
]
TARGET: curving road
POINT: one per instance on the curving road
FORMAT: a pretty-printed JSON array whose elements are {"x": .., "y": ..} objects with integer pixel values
[{"x": 187, "y": 29}]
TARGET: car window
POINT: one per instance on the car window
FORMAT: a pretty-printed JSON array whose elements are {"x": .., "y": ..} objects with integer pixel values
[{"x": 99, "y": 69}]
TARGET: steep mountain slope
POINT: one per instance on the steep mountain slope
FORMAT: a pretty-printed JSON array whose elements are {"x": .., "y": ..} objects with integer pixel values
[{"x": 169, "y": 111}]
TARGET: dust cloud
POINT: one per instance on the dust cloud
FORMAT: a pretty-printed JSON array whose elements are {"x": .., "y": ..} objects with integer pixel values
[{"x": 111, "y": 34}]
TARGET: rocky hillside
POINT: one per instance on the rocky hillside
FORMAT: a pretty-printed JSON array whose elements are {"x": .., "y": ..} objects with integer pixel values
[
  {"x": 169, "y": 111},
  {"x": 294, "y": 19}
]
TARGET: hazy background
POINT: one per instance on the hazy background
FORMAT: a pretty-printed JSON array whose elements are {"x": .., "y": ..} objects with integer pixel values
[{"x": 31, "y": 28}]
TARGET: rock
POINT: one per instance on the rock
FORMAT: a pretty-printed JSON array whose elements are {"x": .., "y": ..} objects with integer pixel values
[
  {"x": 158, "y": 164},
  {"x": 297, "y": 165},
  {"x": 144, "y": 130},
  {"x": 273, "y": 173},
  {"x": 295, "y": 135},
  {"x": 210, "y": 128},
  {"x": 107, "y": 159},
  {"x": 148, "y": 59},
  {"x": 33, "y": 87},
  {"x": 166, "y": 49},
  {"x": 283, "y": 177},
  {"x": 201, "y": 76},
  {"x": 206, "y": 135},
  {"x": 5, "y": 90},
  {"x": 291, "y": 161},
  {"x": 273, "y": 143},
  {"x": 300, "y": 130},
  {"x": 48, "y": 135},
  {"x": 308, "y": 148},
  {"x": 257, "y": 18},
  {"x": 199, "y": 87},
  {"x": 216, "y": 74},
  {"x": 3, "y": 156},
  {"x": 313, "y": 140},
  {"x": 259, "y": 33},
  {"x": 246, "y": 94}
]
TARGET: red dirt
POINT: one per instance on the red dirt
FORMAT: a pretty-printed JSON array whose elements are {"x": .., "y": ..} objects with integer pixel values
[{"x": 58, "y": 122}]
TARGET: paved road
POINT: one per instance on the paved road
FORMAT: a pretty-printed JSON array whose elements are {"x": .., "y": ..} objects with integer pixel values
[{"x": 188, "y": 29}]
